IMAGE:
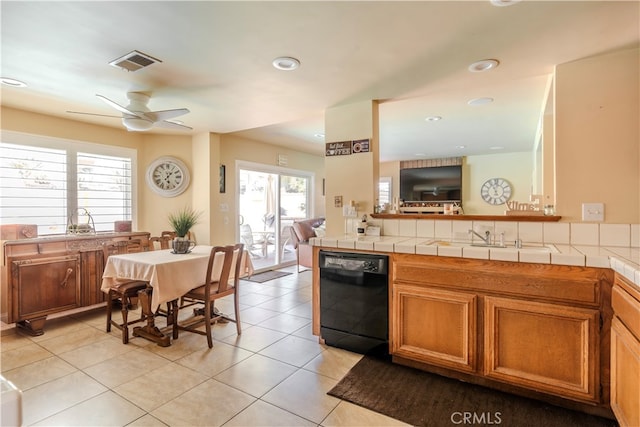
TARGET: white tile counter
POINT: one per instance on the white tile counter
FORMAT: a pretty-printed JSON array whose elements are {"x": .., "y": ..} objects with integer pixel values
[{"x": 623, "y": 260}]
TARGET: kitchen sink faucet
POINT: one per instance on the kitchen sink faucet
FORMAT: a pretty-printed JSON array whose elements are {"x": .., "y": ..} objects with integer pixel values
[{"x": 486, "y": 238}]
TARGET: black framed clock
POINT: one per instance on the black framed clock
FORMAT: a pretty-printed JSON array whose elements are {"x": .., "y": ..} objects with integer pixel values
[
  {"x": 168, "y": 176},
  {"x": 496, "y": 191}
]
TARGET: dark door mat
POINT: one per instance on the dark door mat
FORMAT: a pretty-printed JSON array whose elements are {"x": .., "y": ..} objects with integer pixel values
[{"x": 423, "y": 399}]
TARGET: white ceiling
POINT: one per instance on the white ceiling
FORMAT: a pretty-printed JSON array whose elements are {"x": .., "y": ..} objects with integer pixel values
[{"x": 216, "y": 61}]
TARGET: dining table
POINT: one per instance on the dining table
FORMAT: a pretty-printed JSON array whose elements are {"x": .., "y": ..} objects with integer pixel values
[{"x": 169, "y": 276}]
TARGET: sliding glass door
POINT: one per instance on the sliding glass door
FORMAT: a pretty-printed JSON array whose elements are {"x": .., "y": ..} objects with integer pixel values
[{"x": 269, "y": 200}]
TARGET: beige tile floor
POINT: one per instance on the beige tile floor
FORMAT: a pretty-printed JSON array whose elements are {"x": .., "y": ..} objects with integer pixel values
[{"x": 274, "y": 374}]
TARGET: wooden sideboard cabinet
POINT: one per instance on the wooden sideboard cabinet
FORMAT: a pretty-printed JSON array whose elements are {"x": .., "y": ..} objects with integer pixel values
[
  {"x": 625, "y": 353},
  {"x": 43, "y": 276},
  {"x": 532, "y": 327}
]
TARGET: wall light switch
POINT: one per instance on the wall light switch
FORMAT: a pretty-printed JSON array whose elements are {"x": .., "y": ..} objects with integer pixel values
[{"x": 593, "y": 212}]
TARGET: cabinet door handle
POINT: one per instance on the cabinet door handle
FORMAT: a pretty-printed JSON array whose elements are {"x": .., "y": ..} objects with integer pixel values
[{"x": 66, "y": 277}]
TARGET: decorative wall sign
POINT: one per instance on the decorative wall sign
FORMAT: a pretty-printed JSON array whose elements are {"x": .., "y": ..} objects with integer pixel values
[
  {"x": 360, "y": 146},
  {"x": 345, "y": 148},
  {"x": 342, "y": 148}
]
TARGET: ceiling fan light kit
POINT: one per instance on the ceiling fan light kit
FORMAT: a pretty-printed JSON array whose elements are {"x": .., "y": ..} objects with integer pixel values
[
  {"x": 137, "y": 117},
  {"x": 137, "y": 124}
]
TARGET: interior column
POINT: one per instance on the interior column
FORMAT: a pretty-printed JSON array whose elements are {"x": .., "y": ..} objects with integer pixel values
[{"x": 352, "y": 161}]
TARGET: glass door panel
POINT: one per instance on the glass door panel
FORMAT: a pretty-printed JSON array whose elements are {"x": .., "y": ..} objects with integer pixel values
[{"x": 268, "y": 204}]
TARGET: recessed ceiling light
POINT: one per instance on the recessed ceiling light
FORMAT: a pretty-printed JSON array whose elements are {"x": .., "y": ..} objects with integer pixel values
[
  {"x": 484, "y": 65},
  {"x": 480, "y": 101},
  {"x": 504, "y": 2},
  {"x": 496, "y": 147},
  {"x": 433, "y": 118},
  {"x": 286, "y": 63},
  {"x": 420, "y": 155},
  {"x": 12, "y": 82},
  {"x": 319, "y": 135},
  {"x": 460, "y": 147}
]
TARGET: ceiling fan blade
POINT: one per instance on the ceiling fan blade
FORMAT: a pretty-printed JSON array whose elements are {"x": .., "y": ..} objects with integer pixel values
[
  {"x": 118, "y": 106},
  {"x": 94, "y": 114},
  {"x": 171, "y": 125},
  {"x": 158, "y": 116}
]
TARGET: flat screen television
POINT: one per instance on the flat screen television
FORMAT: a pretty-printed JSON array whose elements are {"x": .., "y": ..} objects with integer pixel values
[{"x": 431, "y": 184}]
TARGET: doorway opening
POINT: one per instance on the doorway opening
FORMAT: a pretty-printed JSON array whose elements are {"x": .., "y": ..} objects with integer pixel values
[{"x": 269, "y": 201}]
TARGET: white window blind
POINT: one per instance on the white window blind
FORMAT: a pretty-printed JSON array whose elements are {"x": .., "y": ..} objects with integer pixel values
[
  {"x": 33, "y": 187},
  {"x": 384, "y": 190},
  {"x": 104, "y": 188},
  {"x": 46, "y": 181}
]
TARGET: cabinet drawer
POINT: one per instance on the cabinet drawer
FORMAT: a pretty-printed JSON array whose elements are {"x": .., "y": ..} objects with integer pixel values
[
  {"x": 45, "y": 285},
  {"x": 626, "y": 308},
  {"x": 546, "y": 282}
]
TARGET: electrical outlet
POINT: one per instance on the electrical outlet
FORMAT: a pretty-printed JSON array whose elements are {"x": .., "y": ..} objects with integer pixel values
[{"x": 593, "y": 212}]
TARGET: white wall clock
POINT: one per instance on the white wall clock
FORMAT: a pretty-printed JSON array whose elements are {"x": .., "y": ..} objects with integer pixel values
[
  {"x": 167, "y": 176},
  {"x": 496, "y": 191}
]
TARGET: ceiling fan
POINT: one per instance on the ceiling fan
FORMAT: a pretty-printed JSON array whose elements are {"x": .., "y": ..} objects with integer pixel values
[{"x": 137, "y": 117}]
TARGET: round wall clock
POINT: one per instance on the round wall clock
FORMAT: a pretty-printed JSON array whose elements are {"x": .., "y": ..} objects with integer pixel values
[
  {"x": 496, "y": 191},
  {"x": 167, "y": 176}
]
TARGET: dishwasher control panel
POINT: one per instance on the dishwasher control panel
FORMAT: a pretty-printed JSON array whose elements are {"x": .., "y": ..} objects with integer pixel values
[{"x": 368, "y": 263}]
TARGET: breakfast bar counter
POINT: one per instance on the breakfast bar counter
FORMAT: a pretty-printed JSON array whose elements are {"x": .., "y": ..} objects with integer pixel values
[{"x": 527, "y": 318}]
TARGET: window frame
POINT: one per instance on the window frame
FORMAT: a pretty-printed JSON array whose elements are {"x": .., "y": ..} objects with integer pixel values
[
  {"x": 72, "y": 147},
  {"x": 388, "y": 181}
]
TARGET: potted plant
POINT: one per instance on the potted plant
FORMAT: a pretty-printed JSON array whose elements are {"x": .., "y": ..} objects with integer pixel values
[{"x": 181, "y": 222}]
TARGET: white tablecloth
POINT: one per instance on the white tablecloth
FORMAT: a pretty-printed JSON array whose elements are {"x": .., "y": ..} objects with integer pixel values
[{"x": 171, "y": 275}]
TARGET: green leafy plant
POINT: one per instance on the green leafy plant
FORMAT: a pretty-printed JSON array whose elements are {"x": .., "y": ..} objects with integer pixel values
[{"x": 183, "y": 220}]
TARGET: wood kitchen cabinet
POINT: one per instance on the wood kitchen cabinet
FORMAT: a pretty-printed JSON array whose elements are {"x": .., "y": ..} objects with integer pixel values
[
  {"x": 625, "y": 353},
  {"x": 514, "y": 326},
  {"x": 43, "y": 276},
  {"x": 447, "y": 330},
  {"x": 548, "y": 347}
]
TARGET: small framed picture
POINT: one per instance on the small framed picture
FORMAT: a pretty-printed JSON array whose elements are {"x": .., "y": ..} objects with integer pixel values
[{"x": 222, "y": 178}]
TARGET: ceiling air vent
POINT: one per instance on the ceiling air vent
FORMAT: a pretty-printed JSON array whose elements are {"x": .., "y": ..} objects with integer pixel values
[{"x": 133, "y": 61}]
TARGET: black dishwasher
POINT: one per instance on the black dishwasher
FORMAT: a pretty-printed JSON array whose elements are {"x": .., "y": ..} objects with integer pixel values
[{"x": 354, "y": 301}]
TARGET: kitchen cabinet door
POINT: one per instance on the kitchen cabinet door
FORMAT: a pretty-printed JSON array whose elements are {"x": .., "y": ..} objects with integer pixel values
[
  {"x": 434, "y": 326},
  {"x": 625, "y": 375},
  {"x": 544, "y": 347}
]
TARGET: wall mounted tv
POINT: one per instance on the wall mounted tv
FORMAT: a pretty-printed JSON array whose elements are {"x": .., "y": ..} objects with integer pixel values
[{"x": 431, "y": 184}]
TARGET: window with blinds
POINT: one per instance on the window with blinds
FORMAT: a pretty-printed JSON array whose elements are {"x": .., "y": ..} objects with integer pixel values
[
  {"x": 49, "y": 185},
  {"x": 104, "y": 188},
  {"x": 384, "y": 190},
  {"x": 33, "y": 187}
]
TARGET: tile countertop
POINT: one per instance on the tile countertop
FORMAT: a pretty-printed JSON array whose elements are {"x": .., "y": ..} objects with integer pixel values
[{"x": 623, "y": 260}]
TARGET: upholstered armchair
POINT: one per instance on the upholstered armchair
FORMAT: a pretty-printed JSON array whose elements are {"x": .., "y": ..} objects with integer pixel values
[{"x": 301, "y": 232}]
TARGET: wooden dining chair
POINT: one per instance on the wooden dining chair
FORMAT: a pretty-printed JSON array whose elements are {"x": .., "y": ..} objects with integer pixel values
[
  {"x": 170, "y": 234},
  {"x": 160, "y": 242},
  {"x": 123, "y": 293},
  {"x": 214, "y": 288}
]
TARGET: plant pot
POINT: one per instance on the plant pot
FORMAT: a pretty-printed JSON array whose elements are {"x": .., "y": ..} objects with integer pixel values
[{"x": 181, "y": 245}]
